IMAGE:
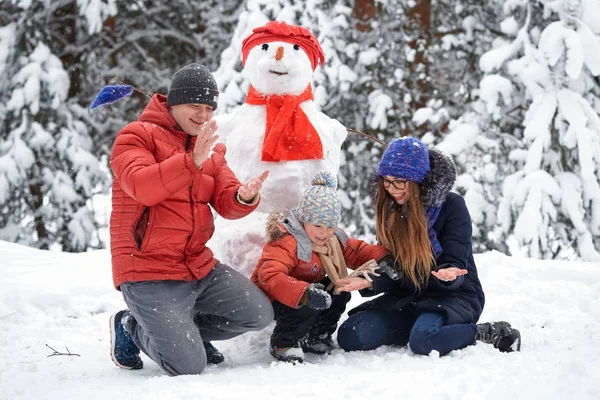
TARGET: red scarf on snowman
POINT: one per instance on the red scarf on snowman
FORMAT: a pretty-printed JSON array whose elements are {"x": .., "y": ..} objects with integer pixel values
[{"x": 289, "y": 134}]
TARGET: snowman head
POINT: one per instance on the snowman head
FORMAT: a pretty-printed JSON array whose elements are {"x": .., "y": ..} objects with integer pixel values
[{"x": 280, "y": 59}]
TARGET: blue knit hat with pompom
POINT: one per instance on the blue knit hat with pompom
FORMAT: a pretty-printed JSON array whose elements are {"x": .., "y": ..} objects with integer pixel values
[
  {"x": 320, "y": 204},
  {"x": 405, "y": 158}
]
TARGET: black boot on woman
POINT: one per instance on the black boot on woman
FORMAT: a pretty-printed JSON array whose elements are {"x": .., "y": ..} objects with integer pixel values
[{"x": 501, "y": 335}]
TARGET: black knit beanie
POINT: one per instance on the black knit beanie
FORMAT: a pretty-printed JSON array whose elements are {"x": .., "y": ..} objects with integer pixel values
[{"x": 193, "y": 84}]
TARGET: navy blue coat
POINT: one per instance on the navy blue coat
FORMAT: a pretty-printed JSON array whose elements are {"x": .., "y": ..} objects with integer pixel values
[{"x": 462, "y": 299}]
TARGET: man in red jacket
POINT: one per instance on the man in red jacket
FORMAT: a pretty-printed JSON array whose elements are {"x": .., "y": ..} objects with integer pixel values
[{"x": 168, "y": 172}]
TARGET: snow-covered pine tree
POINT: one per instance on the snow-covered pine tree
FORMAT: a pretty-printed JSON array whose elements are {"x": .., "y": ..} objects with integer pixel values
[
  {"x": 414, "y": 65},
  {"x": 143, "y": 43},
  {"x": 481, "y": 139},
  {"x": 550, "y": 201},
  {"x": 371, "y": 78},
  {"x": 94, "y": 43},
  {"x": 47, "y": 167}
]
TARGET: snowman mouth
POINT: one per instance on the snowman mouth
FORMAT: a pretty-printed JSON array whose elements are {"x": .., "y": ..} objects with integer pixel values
[{"x": 278, "y": 73}]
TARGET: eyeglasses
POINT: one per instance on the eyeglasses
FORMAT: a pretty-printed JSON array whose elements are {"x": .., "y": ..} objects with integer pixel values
[{"x": 400, "y": 184}]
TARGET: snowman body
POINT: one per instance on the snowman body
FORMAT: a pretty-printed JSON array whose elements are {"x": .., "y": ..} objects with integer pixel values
[
  {"x": 287, "y": 179},
  {"x": 273, "y": 68}
]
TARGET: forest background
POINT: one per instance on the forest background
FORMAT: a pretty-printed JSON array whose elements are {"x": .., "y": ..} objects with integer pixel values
[{"x": 508, "y": 88}]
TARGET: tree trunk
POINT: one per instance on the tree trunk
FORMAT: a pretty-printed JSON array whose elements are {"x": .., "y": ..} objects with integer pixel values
[
  {"x": 65, "y": 38},
  {"x": 420, "y": 28},
  {"x": 364, "y": 11},
  {"x": 37, "y": 202}
]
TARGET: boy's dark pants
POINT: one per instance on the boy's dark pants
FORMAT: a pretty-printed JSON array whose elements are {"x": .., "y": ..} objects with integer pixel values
[{"x": 294, "y": 324}]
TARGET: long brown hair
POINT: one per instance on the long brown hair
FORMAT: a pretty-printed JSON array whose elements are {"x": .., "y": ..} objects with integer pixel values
[{"x": 403, "y": 231}]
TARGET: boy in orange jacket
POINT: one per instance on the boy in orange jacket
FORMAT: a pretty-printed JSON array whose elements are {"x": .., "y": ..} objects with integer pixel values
[{"x": 305, "y": 256}]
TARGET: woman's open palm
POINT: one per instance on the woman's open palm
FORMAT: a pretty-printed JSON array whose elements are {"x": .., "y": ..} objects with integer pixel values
[{"x": 449, "y": 274}]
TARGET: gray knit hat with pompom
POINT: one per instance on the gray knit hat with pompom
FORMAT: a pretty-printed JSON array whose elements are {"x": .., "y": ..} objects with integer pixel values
[{"x": 320, "y": 204}]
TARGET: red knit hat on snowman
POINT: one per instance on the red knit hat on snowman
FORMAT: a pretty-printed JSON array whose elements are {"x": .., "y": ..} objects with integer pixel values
[{"x": 279, "y": 31}]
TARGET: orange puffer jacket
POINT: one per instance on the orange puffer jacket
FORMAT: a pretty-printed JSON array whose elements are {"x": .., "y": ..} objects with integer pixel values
[
  {"x": 282, "y": 273},
  {"x": 161, "y": 218}
]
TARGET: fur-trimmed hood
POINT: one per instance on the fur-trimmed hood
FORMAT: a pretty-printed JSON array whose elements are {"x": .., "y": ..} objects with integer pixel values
[
  {"x": 275, "y": 229},
  {"x": 439, "y": 181},
  {"x": 284, "y": 222}
]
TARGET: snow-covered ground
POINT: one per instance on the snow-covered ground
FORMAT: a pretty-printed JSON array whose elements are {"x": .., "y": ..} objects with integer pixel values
[{"x": 65, "y": 300}]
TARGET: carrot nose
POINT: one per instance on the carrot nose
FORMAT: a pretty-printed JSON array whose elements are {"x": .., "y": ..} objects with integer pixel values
[{"x": 279, "y": 54}]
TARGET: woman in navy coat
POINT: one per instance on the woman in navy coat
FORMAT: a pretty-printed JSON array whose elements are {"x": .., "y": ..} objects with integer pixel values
[{"x": 432, "y": 297}]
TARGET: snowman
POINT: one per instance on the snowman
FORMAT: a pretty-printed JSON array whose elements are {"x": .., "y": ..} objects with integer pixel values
[{"x": 278, "y": 129}]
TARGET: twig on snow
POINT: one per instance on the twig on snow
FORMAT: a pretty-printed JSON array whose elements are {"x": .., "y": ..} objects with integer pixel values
[{"x": 58, "y": 353}]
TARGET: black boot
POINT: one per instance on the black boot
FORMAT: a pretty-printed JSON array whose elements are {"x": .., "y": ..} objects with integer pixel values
[
  {"x": 213, "y": 356},
  {"x": 500, "y": 334},
  {"x": 292, "y": 354},
  {"x": 317, "y": 344}
]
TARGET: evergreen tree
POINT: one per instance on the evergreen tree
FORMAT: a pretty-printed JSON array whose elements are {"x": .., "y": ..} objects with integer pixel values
[
  {"x": 143, "y": 43},
  {"x": 61, "y": 53},
  {"x": 414, "y": 68},
  {"x": 544, "y": 79},
  {"x": 392, "y": 68},
  {"x": 47, "y": 167}
]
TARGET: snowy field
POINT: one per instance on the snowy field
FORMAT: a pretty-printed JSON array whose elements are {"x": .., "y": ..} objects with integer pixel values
[{"x": 65, "y": 300}]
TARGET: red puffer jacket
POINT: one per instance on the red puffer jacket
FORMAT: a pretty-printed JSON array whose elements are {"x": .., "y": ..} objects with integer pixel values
[{"x": 161, "y": 218}]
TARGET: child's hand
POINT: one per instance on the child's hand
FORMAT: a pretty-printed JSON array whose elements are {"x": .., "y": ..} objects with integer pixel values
[
  {"x": 365, "y": 270},
  {"x": 449, "y": 274},
  {"x": 317, "y": 299},
  {"x": 351, "y": 284}
]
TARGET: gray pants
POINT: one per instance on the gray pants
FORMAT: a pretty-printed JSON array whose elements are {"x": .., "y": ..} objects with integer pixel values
[{"x": 171, "y": 318}]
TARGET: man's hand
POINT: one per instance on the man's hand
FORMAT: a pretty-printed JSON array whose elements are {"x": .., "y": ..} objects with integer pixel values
[
  {"x": 351, "y": 284},
  {"x": 249, "y": 190},
  {"x": 449, "y": 274},
  {"x": 205, "y": 140}
]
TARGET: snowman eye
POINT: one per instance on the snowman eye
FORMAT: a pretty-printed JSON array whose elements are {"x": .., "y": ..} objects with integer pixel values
[
  {"x": 296, "y": 47},
  {"x": 265, "y": 47}
]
